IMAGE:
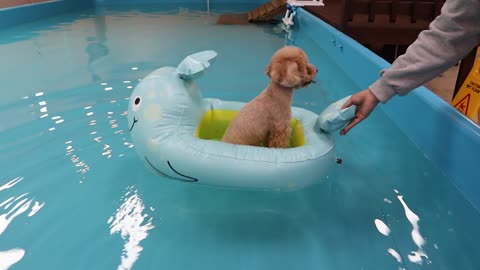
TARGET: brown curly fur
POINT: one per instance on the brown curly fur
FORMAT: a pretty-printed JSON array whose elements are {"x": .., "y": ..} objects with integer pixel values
[{"x": 266, "y": 119}]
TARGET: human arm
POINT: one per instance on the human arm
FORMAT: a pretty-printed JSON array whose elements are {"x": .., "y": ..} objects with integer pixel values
[{"x": 449, "y": 38}]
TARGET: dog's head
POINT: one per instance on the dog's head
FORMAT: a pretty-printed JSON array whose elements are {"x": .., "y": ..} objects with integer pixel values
[{"x": 289, "y": 67}]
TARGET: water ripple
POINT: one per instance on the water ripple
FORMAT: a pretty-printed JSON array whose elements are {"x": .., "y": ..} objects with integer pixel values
[
  {"x": 10, "y": 257},
  {"x": 133, "y": 226},
  {"x": 21, "y": 205}
]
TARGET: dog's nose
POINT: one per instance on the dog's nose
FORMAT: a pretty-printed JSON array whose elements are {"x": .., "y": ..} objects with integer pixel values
[{"x": 317, "y": 70}]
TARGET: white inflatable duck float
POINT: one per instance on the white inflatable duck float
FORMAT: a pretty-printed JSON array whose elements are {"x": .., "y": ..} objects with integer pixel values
[{"x": 176, "y": 133}]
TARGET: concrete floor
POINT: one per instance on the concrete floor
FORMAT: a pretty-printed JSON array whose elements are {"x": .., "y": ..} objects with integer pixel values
[{"x": 444, "y": 84}]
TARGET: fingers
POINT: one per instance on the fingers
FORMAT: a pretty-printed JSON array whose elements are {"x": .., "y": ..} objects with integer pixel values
[
  {"x": 347, "y": 104},
  {"x": 350, "y": 125}
]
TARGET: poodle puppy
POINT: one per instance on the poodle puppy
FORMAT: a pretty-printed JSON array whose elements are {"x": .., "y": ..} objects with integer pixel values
[{"x": 266, "y": 118}]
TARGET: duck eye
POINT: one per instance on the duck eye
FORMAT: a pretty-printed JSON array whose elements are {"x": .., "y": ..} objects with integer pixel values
[{"x": 137, "y": 101}]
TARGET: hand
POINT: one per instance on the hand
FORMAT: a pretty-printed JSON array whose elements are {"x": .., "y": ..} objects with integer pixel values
[{"x": 365, "y": 101}]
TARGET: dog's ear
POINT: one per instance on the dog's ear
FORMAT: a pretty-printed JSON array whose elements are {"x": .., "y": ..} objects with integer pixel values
[
  {"x": 291, "y": 77},
  {"x": 286, "y": 74},
  {"x": 275, "y": 71},
  {"x": 268, "y": 69}
]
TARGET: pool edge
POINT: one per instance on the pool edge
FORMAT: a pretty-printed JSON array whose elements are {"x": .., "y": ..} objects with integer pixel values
[
  {"x": 436, "y": 121},
  {"x": 12, "y": 16}
]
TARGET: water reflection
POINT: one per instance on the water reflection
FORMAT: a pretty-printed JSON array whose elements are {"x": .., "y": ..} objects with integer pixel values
[
  {"x": 396, "y": 255},
  {"x": 12, "y": 208},
  {"x": 11, "y": 183},
  {"x": 10, "y": 257},
  {"x": 96, "y": 48},
  {"x": 82, "y": 166},
  {"x": 415, "y": 256},
  {"x": 132, "y": 225},
  {"x": 96, "y": 119},
  {"x": 107, "y": 151},
  {"x": 382, "y": 227},
  {"x": 44, "y": 111},
  {"x": 419, "y": 256}
]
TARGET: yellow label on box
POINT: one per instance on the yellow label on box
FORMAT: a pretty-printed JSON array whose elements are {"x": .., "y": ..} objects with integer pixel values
[{"x": 467, "y": 99}]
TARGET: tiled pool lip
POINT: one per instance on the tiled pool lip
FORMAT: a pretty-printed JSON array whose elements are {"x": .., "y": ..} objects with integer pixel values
[
  {"x": 21, "y": 14},
  {"x": 10, "y": 4}
]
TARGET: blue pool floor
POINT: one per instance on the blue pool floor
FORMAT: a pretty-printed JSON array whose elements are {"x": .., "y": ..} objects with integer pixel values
[{"x": 74, "y": 194}]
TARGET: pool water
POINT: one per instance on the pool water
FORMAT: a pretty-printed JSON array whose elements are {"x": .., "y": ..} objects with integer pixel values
[{"x": 75, "y": 195}]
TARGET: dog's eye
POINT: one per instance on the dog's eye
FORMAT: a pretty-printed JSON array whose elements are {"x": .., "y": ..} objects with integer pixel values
[{"x": 137, "y": 101}]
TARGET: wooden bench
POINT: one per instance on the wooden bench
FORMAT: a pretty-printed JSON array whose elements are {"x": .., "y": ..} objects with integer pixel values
[
  {"x": 267, "y": 11},
  {"x": 264, "y": 13}
]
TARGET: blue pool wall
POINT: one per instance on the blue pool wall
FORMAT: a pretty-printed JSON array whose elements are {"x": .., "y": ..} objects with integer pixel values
[
  {"x": 27, "y": 13},
  {"x": 211, "y": 2},
  {"x": 135, "y": 2},
  {"x": 444, "y": 135},
  {"x": 211, "y": 5}
]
